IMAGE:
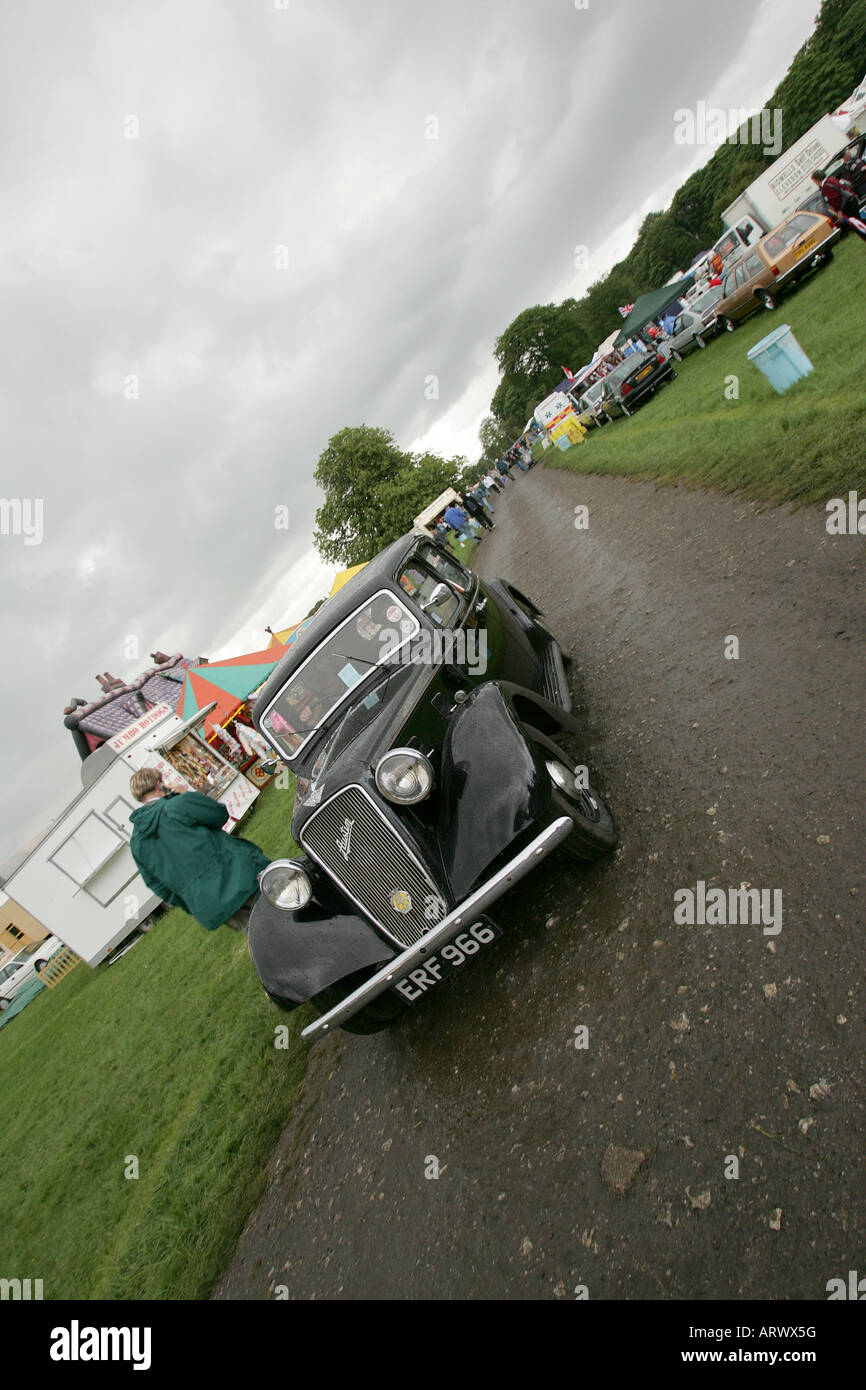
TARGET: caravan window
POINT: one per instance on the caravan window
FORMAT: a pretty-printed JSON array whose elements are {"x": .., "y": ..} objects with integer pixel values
[{"x": 86, "y": 850}]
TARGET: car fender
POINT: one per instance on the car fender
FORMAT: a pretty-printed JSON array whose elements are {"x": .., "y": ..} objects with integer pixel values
[
  {"x": 492, "y": 790},
  {"x": 298, "y": 954}
]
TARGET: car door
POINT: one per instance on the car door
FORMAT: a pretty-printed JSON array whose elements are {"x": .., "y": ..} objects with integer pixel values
[
  {"x": 741, "y": 295},
  {"x": 684, "y": 329}
]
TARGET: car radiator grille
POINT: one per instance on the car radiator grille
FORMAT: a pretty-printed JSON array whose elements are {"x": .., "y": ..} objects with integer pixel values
[{"x": 379, "y": 867}]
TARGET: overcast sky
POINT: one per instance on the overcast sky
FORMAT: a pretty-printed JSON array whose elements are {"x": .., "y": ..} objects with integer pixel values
[{"x": 232, "y": 227}]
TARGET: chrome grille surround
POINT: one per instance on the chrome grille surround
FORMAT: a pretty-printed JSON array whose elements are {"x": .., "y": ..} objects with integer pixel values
[{"x": 373, "y": 863}]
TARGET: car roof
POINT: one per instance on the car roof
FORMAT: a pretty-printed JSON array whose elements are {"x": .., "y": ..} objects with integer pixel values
[{"x": 376, "y": 574}]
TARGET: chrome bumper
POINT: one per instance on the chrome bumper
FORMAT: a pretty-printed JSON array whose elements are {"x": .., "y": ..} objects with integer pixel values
[{"x": 445, "y": 930}]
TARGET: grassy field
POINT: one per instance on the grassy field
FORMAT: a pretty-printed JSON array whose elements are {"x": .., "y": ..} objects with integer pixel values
[
  {"x": 169, "y": 1056},
  {"x": 806, "y": 446}
]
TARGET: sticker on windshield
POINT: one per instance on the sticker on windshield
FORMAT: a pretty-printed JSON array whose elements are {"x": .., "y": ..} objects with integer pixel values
[
  {"x": 393, "y": 614},
  {"x": 349, "y": 676}
]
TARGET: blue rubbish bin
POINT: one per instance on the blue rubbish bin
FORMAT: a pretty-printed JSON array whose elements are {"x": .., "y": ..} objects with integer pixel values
[{"x": 781, "y": 359}]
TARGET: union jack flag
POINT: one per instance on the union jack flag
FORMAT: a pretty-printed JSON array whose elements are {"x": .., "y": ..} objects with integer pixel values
[{"x": 625, "y": 309}]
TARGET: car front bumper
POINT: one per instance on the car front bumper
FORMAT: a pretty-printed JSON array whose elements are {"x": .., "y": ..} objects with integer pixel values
[{"x": 457, "y": 920}]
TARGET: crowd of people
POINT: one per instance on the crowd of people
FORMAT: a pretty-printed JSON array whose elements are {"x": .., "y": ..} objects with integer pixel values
[{"x": 472, "y": 512}]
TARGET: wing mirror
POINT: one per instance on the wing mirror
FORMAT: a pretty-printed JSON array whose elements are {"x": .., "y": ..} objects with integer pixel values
[{"x": 439, "y": 592}]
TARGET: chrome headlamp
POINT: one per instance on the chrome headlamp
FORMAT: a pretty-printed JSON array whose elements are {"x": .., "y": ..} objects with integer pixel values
[
  {"x": 286, "y": 885},
  {"x": 404, "y": 776}
]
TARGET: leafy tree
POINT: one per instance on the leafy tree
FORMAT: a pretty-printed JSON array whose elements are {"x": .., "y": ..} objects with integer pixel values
[
  {"x": 541, "y": 340},
  {"x": 372, "y": 492}
]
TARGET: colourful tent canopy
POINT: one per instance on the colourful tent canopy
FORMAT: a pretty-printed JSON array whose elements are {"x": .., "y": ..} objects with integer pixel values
[
  {"x": 279, "y": 639},
  {"x": 343, "y": 578},
  {"x": 284, "y": 639},
  {"x": 229, "y": 682}
]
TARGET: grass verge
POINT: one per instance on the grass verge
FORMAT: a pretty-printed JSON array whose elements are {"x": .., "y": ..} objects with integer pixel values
[
  {"x": 167, "y": 1057},
  {"x": 805, "y": 446}
]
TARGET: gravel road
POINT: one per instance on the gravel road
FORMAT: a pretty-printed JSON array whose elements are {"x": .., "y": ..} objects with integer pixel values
[{"x": 710, "y": 1048}]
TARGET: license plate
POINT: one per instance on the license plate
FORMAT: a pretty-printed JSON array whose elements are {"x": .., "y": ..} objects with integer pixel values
[
  {"x": 804, "y": 246},
  {"x": 448, "y": 959},
  {"x": 646, "y": 371}
]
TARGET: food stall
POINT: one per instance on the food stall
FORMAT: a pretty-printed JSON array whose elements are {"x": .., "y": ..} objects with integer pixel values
[{"x": 80, "y": 879}]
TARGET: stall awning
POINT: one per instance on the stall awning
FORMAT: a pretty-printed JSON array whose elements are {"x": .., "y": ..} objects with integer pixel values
[
  {"x": 228, "y": 682},
  {"x": 649, "y": 306}
]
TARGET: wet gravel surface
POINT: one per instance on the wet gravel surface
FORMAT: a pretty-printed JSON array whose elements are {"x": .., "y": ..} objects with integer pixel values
[{"x": 710, "y": 1049}]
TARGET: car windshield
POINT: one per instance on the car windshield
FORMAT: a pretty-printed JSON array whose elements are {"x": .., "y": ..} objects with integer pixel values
[
  {"x": 353, "y": 719},
  {"x": 323, "y": 682},
  {"x": 788, "y": 234}
]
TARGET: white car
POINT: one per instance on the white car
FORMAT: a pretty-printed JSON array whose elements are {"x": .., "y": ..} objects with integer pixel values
[{"x": 21, "y": 969}]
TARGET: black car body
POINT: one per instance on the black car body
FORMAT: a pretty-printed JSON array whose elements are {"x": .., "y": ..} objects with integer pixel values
[
  {"x": 419, "y": 712},
  {"x": 634, "y": 380}
]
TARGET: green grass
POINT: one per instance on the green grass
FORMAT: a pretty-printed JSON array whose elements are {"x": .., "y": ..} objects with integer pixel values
[
  {"x": 167, "y": 1055},
  {"x": 805, "y": 446},
  {"x": 463, "y": 550}
]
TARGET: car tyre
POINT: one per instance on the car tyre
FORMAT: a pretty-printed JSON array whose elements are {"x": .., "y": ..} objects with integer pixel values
[
  {"x": 595, "y": 833},
  {"x": 4, "y": 1005},
  {"x": 381, "y": 1013},
  {"x": 40, "y": 966},
  {"x": 728, "y": 325},
  {"x": 676, "y": 355},
  {"x": 699, "y": 341},
  {"x": 767, "y": 300}
]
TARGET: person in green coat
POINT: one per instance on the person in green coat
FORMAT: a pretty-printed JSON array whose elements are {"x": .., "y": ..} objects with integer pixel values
[{"x": 186, "y": 859}]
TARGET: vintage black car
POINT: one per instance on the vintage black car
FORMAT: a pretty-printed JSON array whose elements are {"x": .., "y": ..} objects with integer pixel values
[{"x": 419, "y": 712}]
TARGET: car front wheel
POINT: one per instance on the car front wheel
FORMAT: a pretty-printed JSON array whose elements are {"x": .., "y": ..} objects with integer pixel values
[
  {"x": 700, "y": 341},
  {"x": 677, "y": 356},
  {"x": 728, "y": 325},
  {"x": 594, "y": 832}
]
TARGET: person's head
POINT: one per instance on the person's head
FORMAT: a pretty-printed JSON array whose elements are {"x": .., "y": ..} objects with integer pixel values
[
  {"x": 818, "y": 176},
  {"x": 146, "y": 783}
]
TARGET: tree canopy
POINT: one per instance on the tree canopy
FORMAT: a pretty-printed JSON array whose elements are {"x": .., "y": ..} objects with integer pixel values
[
  {"x": 373, "y": 491},
  {"x": 532, "y": 350}
]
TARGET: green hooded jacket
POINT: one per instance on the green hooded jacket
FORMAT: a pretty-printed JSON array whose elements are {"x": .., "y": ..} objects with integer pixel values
[{"x": 187, "y": 860}]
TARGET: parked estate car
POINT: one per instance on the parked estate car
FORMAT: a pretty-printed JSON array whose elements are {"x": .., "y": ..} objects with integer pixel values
[
  {"x": 633, "y": 380},
  {"x": 694, "y": 326},
  {"x": 22, "y": 968},
  {"x": 590, "y": 407},
  {"x": 800, "y": 243},
  {"x": 423, "y": 714}
]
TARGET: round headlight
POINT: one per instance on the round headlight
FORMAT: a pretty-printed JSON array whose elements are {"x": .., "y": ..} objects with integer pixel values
[
  {"x": 285, "y": 884},
  {"x": 404, "y": 775}
]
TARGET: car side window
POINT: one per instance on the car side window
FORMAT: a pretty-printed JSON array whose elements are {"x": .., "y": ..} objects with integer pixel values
[
  {"x": 420, "y": 583},
  {"x": 754, "y": 265},
  {"x": 449, "y": 568},
  {"x": 741, "y": 276},
  {"x": 728, "y": 287}
]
